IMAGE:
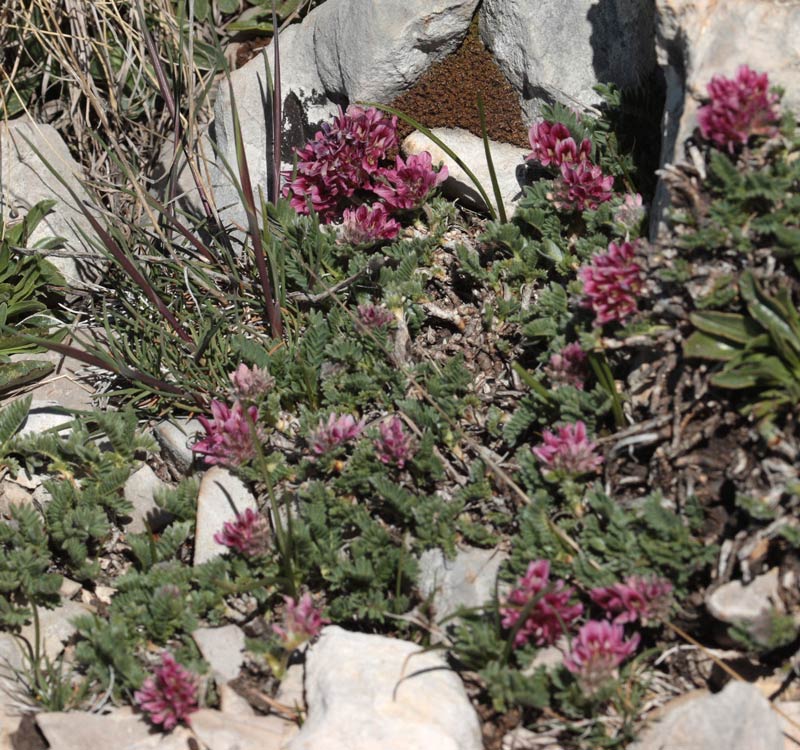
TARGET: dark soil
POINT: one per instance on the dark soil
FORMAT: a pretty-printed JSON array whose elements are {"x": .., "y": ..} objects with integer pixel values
[{"x": 447, "y": 96}]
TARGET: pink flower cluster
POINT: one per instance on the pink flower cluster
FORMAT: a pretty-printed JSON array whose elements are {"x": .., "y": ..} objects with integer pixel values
[
  {"x": 598, "y": 649},
  {"x": 301, "y": 622},
  {"x": 250, "y": 382},
  {"x": 169, "y": 695},
  {"x": 336, "y": 431},
  {"x": 345, "y": 160},
  {"x": 569, "y": 451},
  {"x": 248, "y": 534},
  {"x": 368, "y": 224},
  {"x": 739, "y": 108},
  {"x": 612, "y": 282},
  {"x": 375, "y": 316},
  {"x": 581, "y": 184},
  {"x": 568, "y": 367},
  {"x": 550, "y": 608},
  {"x": 393, "y": 445},
  {"x": 229, "y": 436},
  {"x": 645, "y": 599}
]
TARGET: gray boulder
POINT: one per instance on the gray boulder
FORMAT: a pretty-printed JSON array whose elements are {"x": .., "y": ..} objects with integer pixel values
[
  {"x": 557, "y": 50},
  {"x": 368, "y": 691},
  {"x": 26, "y": 181},
  {"x": 738, "y": 718}
]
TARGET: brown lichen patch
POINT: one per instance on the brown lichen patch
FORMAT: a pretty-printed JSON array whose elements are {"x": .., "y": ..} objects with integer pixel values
[{"x": 446, "y": 96}]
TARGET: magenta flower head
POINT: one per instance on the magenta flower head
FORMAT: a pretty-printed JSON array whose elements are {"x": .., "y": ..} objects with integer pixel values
[
  {"x": 581, "y": 186},
  {"x": 569, "y": 451},
  {"x": 375, "y": 316},
  {"x": 739, "y": 107},
  {"x": 336, "y": 431},
  {"x": 645, "y": 599},
  {"x": 248, "y": 534},
  {"x": 394, "y": 445},
  {"x": 340, "y": 160},
  {"x": 598, "y": 649},
  {"x": 229, "y": 438},
  {"x": 301, "y": 622},
  {"x": 548, "y": 616},
  {"x": 368, "y": 224},
  {"x": 169, "y": 695},
  {"x": 568, "y": 367},
  {"x": 410, "y": 182},
  {"x": 250, "y": 382},
  {"x": 612, "y": 283},
  {"x": 552, "y": 143}
]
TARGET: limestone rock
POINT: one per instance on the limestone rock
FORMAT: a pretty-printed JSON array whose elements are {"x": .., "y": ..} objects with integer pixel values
[
  {"x": 140, "y": 490},
  {"x": 55, "y": 626},
  {"x": 175, "y": 438},
  {"x": 27, "y": 181},
  {"x": 505, "y": 158},
  {"x": 223, "y": 649},
  {"x": 12, "y": 493},
  {"x": 11, "y": 659},
  {"x": 221, "y": 497},
  {"x": 123, "y": 728},
  {"x": 735, "y": 602},
  {"x": 738, "y": 718},
  {"x": 218, "y": 732},
  {"x": 468, "y": 580},
  {"x": 557, "y": 50},
  {"x": 697, "y": 39},
  {"x": 43, "y": 416},
  {"x": 365, "y": 692}
]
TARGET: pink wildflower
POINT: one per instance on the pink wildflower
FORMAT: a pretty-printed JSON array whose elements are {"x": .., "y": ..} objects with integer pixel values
[
  {"x": 375, "y": 316},
  {"x": 169, "y": 695},
  {"x": 631, "y": 212},
  {"x": 365, "y": 224},
  {"x": 581, "y": 186},
  {"x": 248, "y": 534},
  {"x": 301, "y": 622},
  {"x": 597, "y": 651},
  {"x": 739, "y": 107},
  {"x": 553, "y": 144},
  {"x": 612, "y": 282},
  {"x": 569, "y": 451},
  {"x": 568, "y": 367},
  {"x": 229, "y": 439},
  {"x": 393, "y": 445},
  {"x": 250, "y": 382},
  {"x": 340, "y": 160},
  {"x": 645, "y": 599},
  {"x": 551, "y": 613},
  {"x": 336, "y": 431},
  {"x": 409, "y": 183}
]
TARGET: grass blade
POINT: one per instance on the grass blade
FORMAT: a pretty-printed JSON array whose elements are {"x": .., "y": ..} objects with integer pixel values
[{"x": 501, "y": 209}]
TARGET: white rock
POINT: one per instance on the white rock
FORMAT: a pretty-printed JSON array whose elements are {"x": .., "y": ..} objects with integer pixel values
[
  {"x": 557, "y": 50},
  {"x": 343, "y": 51},
  {"x": 230, "y": 702},
  {"x": 55, "y": 627},
  {"x": 223, "y": 649},
  {"x": 358, "y": 698},
  {"x": 291, "y": 690},
  {"x": 468, "y": 580},
  {"x": 218, "y": 732},
  {"x": 12, "y": 493},
  {"x": 11, "y": 659},
  {"x": 734, "y": 602},
  {"x": 221, "y": 497},
  {"x": 27, "y": 181},
  {"x": 505, "y": 158},
  {"x": 69, "y": 588},
  {"x": 140, "y": 490},
  {"x": 176, "y": 438},
  {"x": 738, "y": 718},
  {"x": 698, "y": 39},
  {"x": 64, "y": 386},
  {"x": 121, "y": 728},
  {"x": 43, "y": 416}
]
